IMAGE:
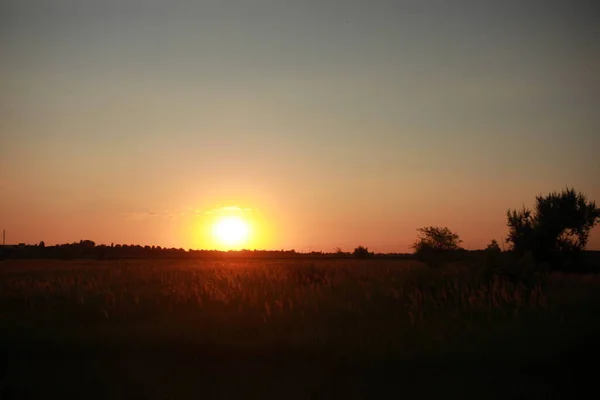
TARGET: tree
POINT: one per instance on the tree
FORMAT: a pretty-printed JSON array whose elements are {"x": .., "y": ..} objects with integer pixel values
[
  {"x": 362, "y": 252},
  {"x": 87, "y": 244},
  {"x": 561, "y": 223},
  {"x": 437, "y": 239},
  {"x": 520, "y": 230},
  {"x": 493, "y": 247},
  {"x": 435, "y": 244}
]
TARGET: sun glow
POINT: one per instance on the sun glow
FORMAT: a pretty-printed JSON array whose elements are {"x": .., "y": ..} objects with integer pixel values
[
  {"x": 231, "y": 232},
  {"x": 228, "y": 227}
]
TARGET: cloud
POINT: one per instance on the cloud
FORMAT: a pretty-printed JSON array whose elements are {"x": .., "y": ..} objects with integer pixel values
[
  {"x": 229, "y": 210},
  {"x": 139, "y": 215},
  {"x": 151, "y": 214}
]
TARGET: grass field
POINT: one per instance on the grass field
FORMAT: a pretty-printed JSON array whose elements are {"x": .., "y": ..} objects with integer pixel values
[{"x": 291, "y": 329}]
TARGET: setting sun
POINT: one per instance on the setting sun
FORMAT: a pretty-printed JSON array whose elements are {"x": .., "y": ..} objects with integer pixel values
[
  {"x": 231, "y": 231},
  {"x": 229, "y": 227}
]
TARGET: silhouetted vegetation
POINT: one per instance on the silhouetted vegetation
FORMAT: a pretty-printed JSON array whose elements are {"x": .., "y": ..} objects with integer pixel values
[
  {"x": 493, "y": 247},
  {"x": 88, "y": 250},
  {"x": 248, "y": 318},
  {"x": 436, "y": 245},
  {"x": 362, "y": 252},
  {"x": 557, "y": 230},
  {"x": 437, "y": 239}
]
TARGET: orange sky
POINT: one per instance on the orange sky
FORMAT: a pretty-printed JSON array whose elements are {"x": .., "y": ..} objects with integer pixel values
[{"x": 332, "y": 126}]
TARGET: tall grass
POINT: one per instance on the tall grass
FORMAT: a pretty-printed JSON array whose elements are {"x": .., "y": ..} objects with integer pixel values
[{"x": 351, "y": 305}]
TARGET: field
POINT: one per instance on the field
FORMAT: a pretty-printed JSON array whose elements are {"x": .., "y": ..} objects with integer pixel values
[{"x": 291, "y": 329}]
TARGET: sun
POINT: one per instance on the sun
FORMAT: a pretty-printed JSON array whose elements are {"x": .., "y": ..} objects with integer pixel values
[{"x": 231, "y": 231}]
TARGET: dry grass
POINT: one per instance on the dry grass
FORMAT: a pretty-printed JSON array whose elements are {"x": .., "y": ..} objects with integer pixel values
[
  {"x": 316, "y": 314},
  {"x": 334, "y": 300}
]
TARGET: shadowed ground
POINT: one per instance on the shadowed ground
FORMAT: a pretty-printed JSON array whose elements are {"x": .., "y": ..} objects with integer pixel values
[
  {"x": 341, "y": 339},
  {"x": 170, "y": 368},
  {"x": 181, "y": 373}
]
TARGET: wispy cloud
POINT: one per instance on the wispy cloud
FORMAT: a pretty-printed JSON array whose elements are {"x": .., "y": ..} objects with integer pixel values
[
  {"x": 229, "y": 210},
  {"x": 151, "y": 214}
]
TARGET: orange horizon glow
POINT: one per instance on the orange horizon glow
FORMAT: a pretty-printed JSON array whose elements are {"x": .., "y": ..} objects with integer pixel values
[{"x": 234, "y": 228}]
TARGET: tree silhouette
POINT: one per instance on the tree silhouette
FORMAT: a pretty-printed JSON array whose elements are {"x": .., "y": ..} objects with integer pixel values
[
  {"x": 493, "y": 247},
  {"x": 435, "y": 244},
  {"x": 87, "y": 244},
  {"x": 362, "y": 252},
  {"x": 437, "y": 239},
  {"x": 561, "y": 223}
]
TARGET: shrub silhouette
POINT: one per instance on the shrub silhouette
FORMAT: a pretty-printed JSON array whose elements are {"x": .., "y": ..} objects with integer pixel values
[
  {"x": 436, "y": 238},
  {"x": 493, "y": 247},
  {"x": 340, "y": 252},
  {"x": 559, "y": 226},
  {"x": 434, "y": 244},
  {"x": 362, "y": 252}
]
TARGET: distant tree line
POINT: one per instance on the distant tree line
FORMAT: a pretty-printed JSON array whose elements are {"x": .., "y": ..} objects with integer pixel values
[{"x": 87, "y": 249}]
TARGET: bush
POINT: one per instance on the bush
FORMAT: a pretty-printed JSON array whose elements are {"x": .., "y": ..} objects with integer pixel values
[
  {"x": 436, "y": 238},
  {"x": 493, "y": 247},
  {"x": 557, "y": 230},
  {"x": 436, "y": 245},
  {"x": 362, "y": 252}
]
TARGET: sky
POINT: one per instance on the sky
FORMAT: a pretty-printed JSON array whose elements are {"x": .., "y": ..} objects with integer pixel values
[{"x": 323, "y": 123}]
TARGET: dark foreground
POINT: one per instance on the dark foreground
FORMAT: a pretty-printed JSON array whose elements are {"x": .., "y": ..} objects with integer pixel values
[
  {"x": 177, "y": 372},
  {"x": 330, "y": 341}
]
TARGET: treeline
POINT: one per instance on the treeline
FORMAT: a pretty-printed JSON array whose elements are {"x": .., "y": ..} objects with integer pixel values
[{"x": 87, "y": 249}]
